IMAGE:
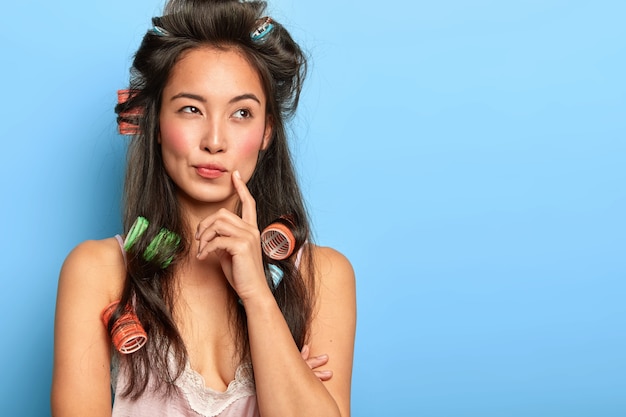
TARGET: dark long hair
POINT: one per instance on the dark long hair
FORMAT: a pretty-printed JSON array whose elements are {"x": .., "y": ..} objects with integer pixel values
[{"x": 149, "y": 191}]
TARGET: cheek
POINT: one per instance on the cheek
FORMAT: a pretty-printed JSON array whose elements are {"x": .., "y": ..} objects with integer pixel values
[
  {"x": 173, "y": 139},
  {"x": 248, "y": 148},
  {"x": 250, "y": 144}
]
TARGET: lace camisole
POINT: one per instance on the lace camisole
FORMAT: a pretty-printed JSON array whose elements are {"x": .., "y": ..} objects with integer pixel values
[{"x": 191, "y": 398}]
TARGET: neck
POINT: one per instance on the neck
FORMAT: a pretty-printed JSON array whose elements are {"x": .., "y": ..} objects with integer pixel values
[
  {"x": 200, "y": 273},
  {"x": 195, "y": 211}
]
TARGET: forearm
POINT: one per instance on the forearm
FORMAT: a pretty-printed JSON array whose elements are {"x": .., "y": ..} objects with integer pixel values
[{"x": 285, "y": 384}]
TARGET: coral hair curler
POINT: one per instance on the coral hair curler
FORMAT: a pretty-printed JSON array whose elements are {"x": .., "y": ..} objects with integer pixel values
[
  {"x": 127, "y": 333},
  {"x": 277, "y": 239},
  {"x": 128, "y": 121}
]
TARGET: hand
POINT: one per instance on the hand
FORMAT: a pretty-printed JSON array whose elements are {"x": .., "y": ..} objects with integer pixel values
[
  {"x": 315, "y": 362},
  {"x": 237, "y": 243}
]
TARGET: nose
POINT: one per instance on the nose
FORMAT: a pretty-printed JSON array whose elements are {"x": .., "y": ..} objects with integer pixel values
[{"x": 213, "y": 140}]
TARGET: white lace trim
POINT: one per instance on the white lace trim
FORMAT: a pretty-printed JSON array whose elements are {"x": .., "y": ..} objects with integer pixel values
[
  {"x": 200, "y": 398},
  {"x": 209, "y": 402}
]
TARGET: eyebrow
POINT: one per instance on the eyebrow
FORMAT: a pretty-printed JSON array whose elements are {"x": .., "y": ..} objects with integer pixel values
[
  {"x": 189, "y": 95},
  {"x": 247, "y": 96}
]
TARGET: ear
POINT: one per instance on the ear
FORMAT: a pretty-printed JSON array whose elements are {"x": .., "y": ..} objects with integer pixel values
[{"x": 267, "y": 135}]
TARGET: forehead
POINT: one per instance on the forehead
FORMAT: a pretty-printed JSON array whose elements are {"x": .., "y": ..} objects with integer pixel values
[{"x": 214, "y": 71}]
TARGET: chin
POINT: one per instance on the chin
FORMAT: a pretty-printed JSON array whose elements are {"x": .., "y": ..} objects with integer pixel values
[{"x": 217, "y": 198}]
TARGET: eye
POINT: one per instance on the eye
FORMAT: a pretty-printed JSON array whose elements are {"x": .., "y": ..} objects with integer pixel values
[
  {"x": 242, "y": 114},
  {"x": 190, "y": 109}
]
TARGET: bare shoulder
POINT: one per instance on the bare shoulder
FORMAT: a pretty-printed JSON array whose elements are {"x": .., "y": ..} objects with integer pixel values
[
  {"x": 332, "y": 267},
  {"x": 95, "y": 265},
  {"x": 335, "y": 284},
  {"x": 91, "y": 277}
]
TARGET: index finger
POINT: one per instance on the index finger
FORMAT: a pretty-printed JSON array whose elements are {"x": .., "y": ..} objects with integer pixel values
[{"x": 248, "y": 205}]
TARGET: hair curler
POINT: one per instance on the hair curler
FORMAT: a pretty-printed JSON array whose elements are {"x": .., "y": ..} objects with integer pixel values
[
  {"x": 164, "y": 243},
  {"x": 139, "y": 227},
  {"x": 277, "y": 239},
  {"x": 127, "y": 333},
  {"x": 128, "y": 121}
]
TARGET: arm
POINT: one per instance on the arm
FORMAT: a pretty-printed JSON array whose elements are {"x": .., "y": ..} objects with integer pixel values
[
  {"x": 333, "y": 327},
  {"x": 81, "y": 373},
  {"x": 286, "y": 385},
  {"x": 283, "y": 381}
]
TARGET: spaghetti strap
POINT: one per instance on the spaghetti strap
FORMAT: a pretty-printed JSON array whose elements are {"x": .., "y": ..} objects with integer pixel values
[
  {"x": 121, "y": 242},
  {"x": 299, "y": 255}
]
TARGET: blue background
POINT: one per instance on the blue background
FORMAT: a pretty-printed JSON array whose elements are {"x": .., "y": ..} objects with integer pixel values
[{"x": 468, "y": 157}]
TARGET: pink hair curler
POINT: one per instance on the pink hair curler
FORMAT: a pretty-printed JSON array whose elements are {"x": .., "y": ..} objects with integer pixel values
[
  {"x": 127, "y": 334},
  {"x": 277, "y": 240}
]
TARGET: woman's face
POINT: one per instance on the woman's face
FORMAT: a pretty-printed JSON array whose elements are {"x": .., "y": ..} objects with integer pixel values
[{"x": 212, "y": 122}]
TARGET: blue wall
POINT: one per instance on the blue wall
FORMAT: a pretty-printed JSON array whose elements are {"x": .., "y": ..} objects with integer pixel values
[{"x": 468, "y": 157}]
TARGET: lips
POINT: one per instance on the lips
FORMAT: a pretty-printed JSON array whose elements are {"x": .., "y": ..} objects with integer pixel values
[{"x": 210, "y": 171}]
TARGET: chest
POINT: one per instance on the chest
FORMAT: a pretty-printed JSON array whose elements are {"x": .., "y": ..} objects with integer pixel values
[{"x": 206, "y": 320}]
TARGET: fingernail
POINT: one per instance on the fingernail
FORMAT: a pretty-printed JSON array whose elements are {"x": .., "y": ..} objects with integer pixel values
[{"x": 237, "y": 174}]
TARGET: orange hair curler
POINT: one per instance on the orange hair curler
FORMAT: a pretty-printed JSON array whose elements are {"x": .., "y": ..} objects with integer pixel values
[
  {"x": 277, "y": 240},
  {"x": 127, "y": 334}
]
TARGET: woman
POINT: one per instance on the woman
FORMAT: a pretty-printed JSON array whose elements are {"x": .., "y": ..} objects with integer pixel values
[{"x": 229, "y": 329}]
